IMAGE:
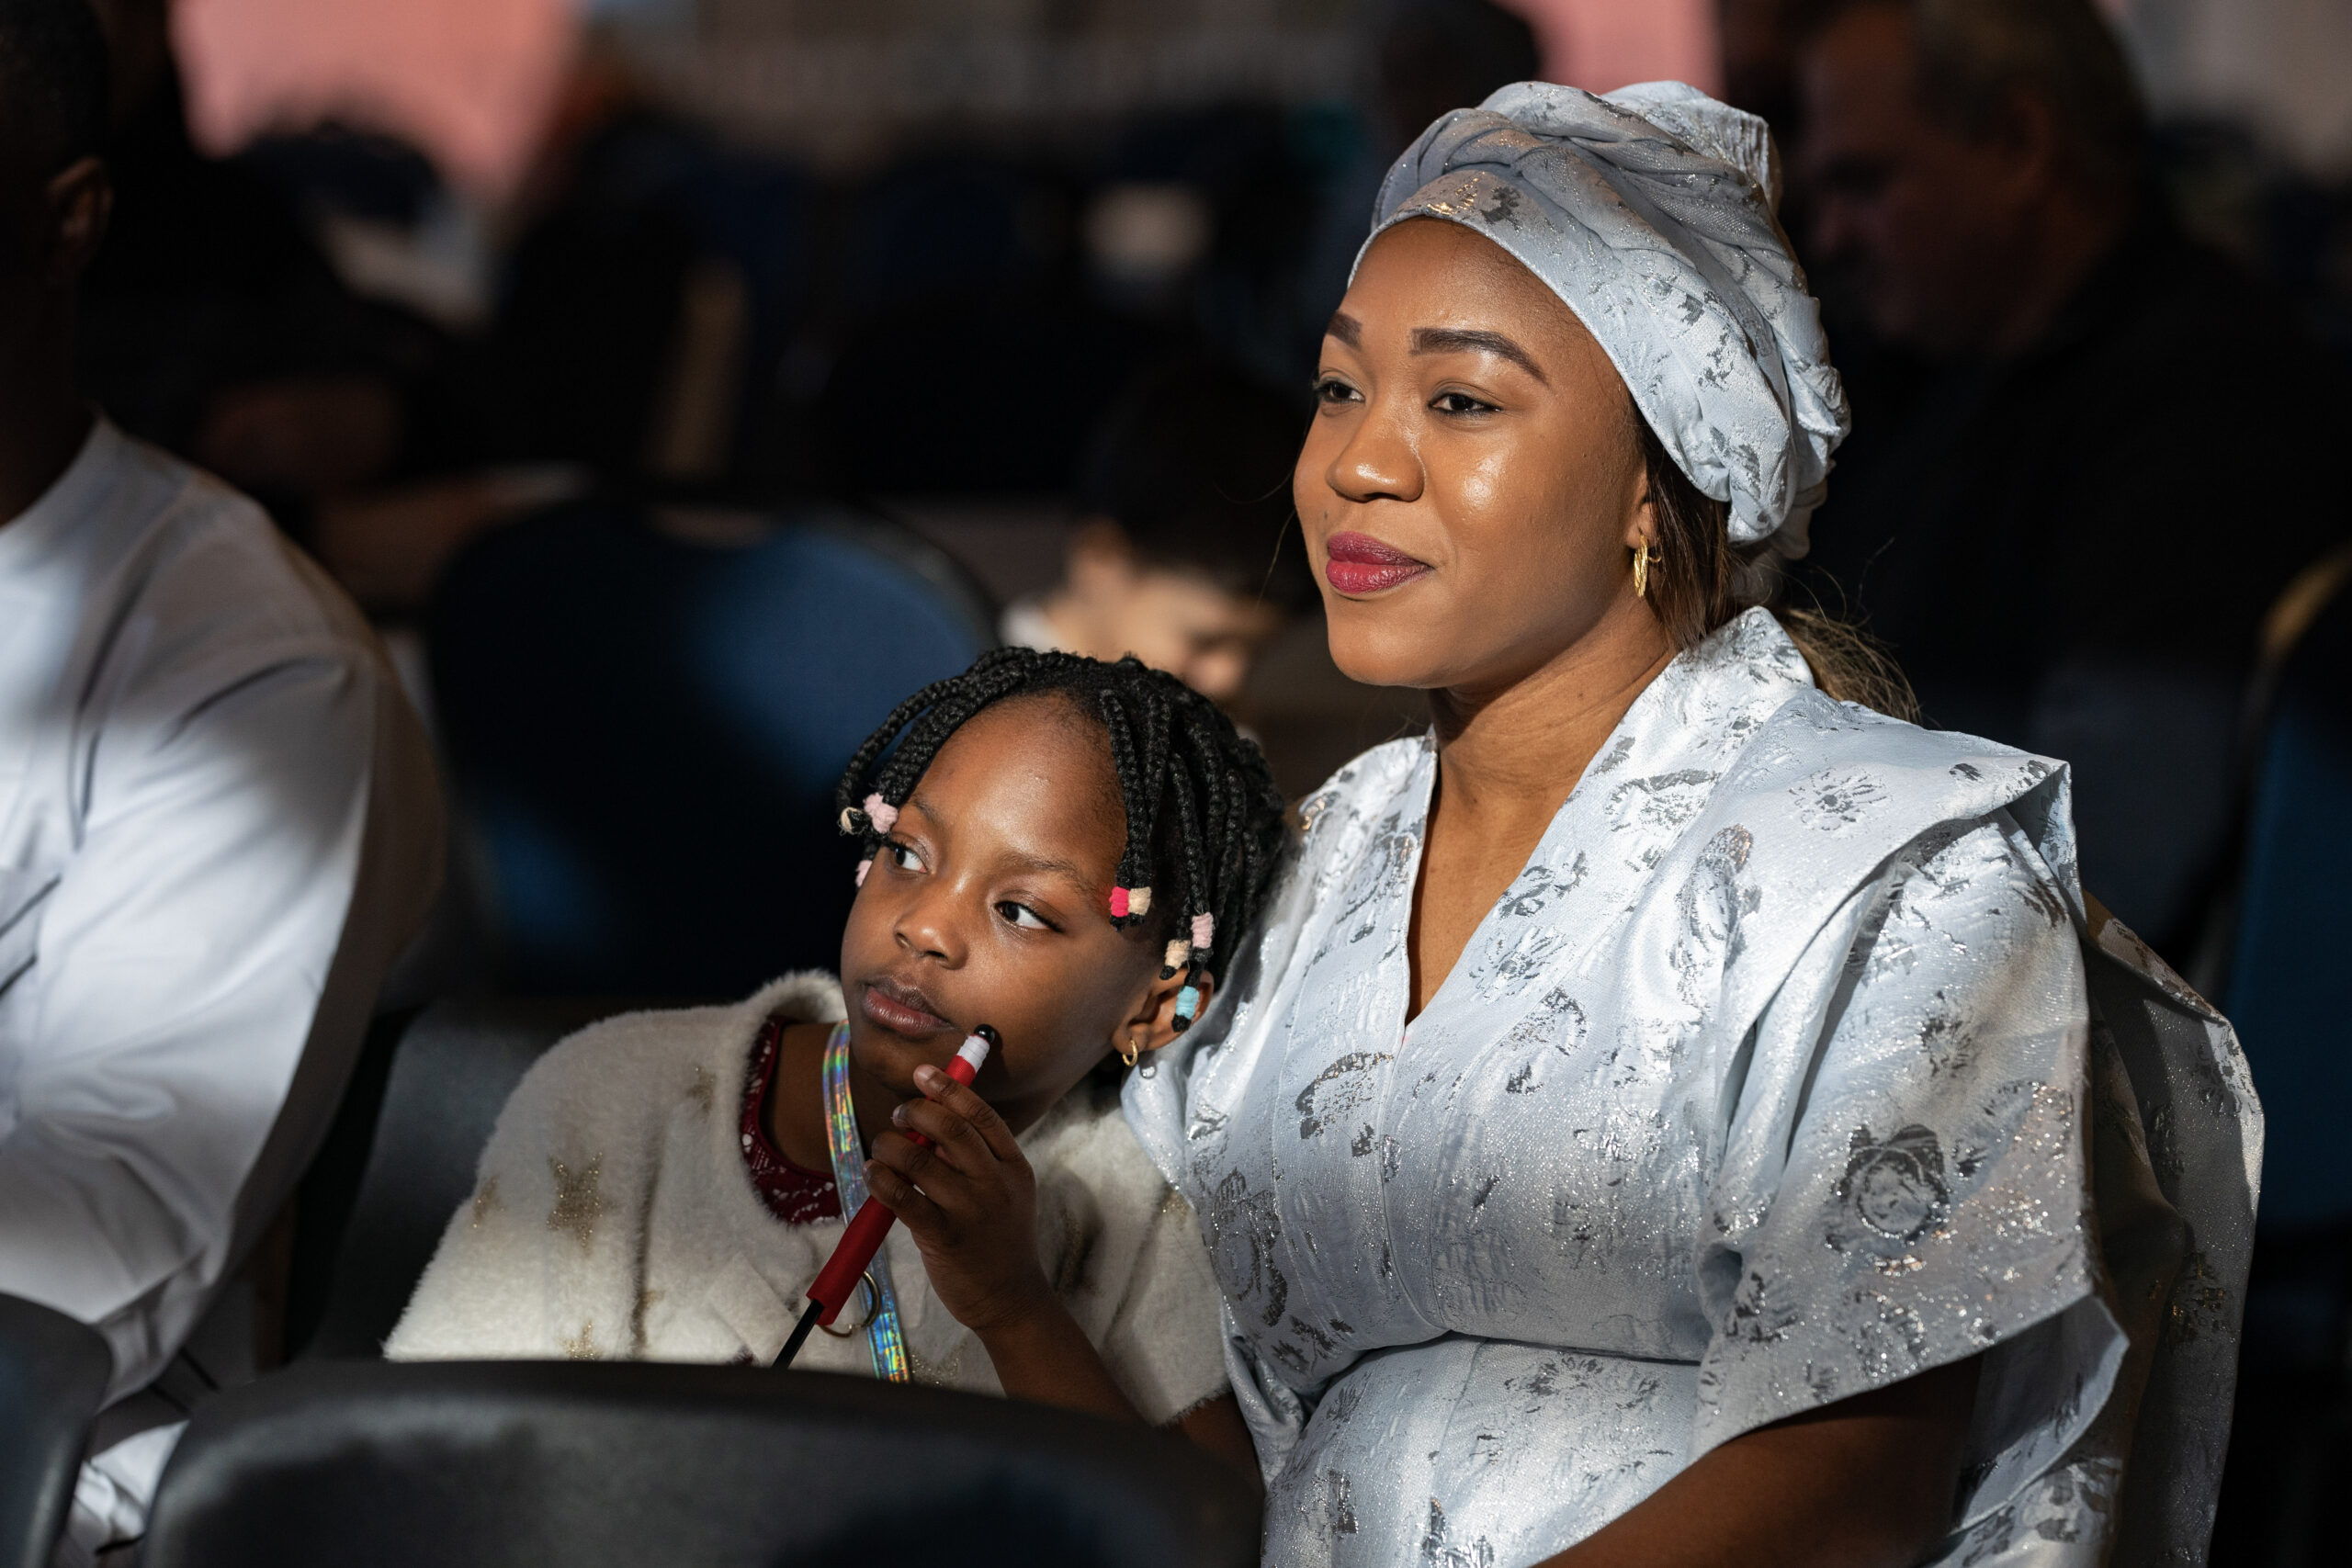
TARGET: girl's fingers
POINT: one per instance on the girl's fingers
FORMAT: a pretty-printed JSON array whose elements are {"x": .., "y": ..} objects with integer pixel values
[
  {"x": 904, "y": 1155},
  {"x": 941, "y": 1089},
  {"x": 922, "y": 1168},
  {"x": 901, "y": 1197},
  {"x": 949, "y": 1190},
  {"x": 959, "y": 1144}
]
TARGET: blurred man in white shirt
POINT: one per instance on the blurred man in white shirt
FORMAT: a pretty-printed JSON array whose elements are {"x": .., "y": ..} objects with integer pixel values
[{"x": 219, "y": 823}]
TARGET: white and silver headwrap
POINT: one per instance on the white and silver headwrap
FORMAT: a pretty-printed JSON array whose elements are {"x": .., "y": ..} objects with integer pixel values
[{"x": 1650, "y": 211}]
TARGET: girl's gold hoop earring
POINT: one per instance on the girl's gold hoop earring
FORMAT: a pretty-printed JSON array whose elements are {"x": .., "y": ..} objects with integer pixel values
[
  {"x": 1643, "y": 555},
  {"x": 1130, "y": 1050}
]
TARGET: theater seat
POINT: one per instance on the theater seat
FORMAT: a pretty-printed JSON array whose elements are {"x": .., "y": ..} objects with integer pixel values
[
  {"x": 646, "y": 712},
  {"x": 401, "y": 1159},
  {"x": 53, "y": 1373},
  {"x": 608, "y": 1465},
  {"x": 2293, "y": 926},
  {"x": 2285, "y": 928}
]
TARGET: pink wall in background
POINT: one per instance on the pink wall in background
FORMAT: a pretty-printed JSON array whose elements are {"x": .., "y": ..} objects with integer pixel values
[
  {"x": 1601, "y": 45},
  {"x": 469, "y": 82}
]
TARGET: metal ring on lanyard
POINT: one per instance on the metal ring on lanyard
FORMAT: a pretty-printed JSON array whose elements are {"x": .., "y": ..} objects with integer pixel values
[{"x": 871, "y": 1295}]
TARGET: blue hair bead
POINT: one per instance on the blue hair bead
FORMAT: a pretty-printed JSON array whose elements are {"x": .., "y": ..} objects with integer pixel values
[{"x": 1188, "y": 1003}]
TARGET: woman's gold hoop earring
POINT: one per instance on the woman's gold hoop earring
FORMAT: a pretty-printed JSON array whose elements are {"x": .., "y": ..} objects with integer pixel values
[
  {"x": 1130, "y": 1050},
  {"x": 1643, "y": 555}
]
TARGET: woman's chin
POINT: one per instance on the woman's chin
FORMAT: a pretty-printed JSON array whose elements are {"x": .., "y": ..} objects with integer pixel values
[{"x": 1376, "y": 649}]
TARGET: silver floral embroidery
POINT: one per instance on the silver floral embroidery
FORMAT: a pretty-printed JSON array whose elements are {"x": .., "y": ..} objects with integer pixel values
[
  {"x": 1755, "y": 1089},
  {"x": 1836, "y": 802}
]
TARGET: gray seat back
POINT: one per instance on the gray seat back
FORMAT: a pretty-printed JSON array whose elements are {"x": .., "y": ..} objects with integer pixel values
[
  {"x": 53, "y": 1373},
  {"x": 619, "y": 1465}
]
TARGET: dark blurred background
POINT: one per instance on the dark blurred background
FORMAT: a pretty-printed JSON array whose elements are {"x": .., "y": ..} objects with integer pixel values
[{"x": 575, "y": 337}]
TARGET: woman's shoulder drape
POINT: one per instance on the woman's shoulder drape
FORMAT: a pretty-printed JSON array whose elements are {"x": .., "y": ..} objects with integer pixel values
[{"x": 1792, "y": 1058}]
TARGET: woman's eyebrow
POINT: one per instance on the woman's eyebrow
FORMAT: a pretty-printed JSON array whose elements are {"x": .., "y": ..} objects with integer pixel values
[
  {"x": 1346, "y": 328},
  {"x": 1458, "y": 340}
]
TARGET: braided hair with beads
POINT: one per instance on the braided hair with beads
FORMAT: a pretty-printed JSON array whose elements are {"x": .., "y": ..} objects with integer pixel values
[{"x": 1204, "y": 821}]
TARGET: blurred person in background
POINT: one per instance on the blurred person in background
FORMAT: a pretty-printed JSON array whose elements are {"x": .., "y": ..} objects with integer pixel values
[
  {"x": 1754, "y": 38},
  {"x": 1184, "y": 556},
  {"x": 1439, "y": 55},
  {"x": 219, "y": 827},
  {"x": 212, "y": 323},
  {"x": 2070, "y": 495},
  {"x": 1431, "y": 56}
]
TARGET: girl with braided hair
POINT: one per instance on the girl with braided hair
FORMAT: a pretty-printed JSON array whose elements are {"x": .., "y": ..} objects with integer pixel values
[
  {"x": 1180, "y": 765},
  {"x": 1056, "y": 847}
]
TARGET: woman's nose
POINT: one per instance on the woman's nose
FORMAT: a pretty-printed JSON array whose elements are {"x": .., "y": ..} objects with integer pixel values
[{"x": 1377, "y": 461}]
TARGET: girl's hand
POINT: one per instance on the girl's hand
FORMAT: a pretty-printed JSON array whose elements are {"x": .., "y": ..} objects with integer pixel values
[{"x": 970, "y": 1201}]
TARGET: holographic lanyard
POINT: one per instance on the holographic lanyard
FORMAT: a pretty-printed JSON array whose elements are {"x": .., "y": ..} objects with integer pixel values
[{"x": 890, "y": 1344}]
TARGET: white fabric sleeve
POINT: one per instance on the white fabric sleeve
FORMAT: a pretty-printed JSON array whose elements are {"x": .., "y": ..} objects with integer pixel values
[
  {"x": 1906, "y": 1176},
  {"x": 1166, "y": 1343},
  {"x": 196, "y": 943}
]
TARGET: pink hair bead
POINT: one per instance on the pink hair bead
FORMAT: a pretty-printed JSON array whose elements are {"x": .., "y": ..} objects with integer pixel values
[
  {"x": 1119, "y": 903},
  {"x": 1204, "y": 928},
  {"x": 881, "y": 813},
  {"x": 863, "y": 867}
]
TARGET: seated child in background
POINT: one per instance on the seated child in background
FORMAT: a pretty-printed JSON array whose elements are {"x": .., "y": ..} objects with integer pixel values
[
  {"x": 1058, "y": 848},
  {"x": 1184, "y": 556}
]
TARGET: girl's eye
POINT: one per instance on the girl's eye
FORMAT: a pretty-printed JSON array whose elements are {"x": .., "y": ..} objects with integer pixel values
[
  {"x": 1460, "y": 403},
  {"x": 1331, "y": 390},
  {"x": 903, "y": 856},
  {"x": 1023, "y": 916}
]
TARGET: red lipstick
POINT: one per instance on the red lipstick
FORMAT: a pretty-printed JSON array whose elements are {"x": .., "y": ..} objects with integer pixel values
[{"x": 1357, "y": 564}]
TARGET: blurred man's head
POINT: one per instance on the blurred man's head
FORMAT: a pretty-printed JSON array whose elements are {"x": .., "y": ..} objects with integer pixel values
[
  {"x": 52, "y": 188},
  {"x": 1186, "y": 557},
  {"x": 139, "y": 42},
  {"x": 1963, "y": 159},
  {"x": 1437, "y": 55}
]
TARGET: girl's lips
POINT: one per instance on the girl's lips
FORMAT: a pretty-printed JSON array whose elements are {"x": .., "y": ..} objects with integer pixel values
[
  {"x": 1358, "y": 564},
  {"x": 900, "y": 1015}
]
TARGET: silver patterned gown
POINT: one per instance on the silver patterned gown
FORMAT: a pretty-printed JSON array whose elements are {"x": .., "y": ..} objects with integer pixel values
[{"x": 1785, "y": 1069}]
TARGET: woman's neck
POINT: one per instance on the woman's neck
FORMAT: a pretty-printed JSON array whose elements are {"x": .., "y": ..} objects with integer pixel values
[
  {"x": 1507, "y": 757},
  {"x": 1515, "y": 750}
]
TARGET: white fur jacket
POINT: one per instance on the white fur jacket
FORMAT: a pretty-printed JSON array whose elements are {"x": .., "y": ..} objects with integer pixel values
[{"x": 615, "y": 1219}]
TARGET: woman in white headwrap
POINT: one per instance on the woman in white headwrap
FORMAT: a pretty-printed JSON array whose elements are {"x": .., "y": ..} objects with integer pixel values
[{"x": 1661, "y": 1121}]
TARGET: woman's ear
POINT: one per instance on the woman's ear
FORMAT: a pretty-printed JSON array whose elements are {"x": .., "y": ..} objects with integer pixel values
[
  {"x": 1164, "y": 1013},
  {"x": 1641, "y": 519},
  {"x": 1642, "y": 528}
]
